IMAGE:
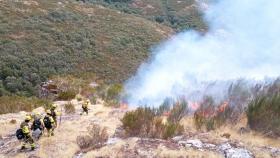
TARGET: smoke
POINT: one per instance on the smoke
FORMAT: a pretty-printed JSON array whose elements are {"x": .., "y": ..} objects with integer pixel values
[{"x": 242, "y": 43}]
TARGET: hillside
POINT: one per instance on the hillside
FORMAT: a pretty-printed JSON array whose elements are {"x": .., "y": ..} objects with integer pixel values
[
  {"x": 41, "y": 38},
  {"x": 178, "y": 14}
]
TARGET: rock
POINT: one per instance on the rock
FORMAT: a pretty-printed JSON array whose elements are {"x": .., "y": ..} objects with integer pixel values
[
  {"x": 195, "y": 143},
  {"x": 145, "y": 153},
  {"x": 177, "y": 138},
  {"x": 209, "y": 146},
  {"x": 112, "y": 141},
  {"x": 191, "y": 143},
  {"x": 184, "y": 143},
  {"x": 238, "y": 153},
  {"x": 224, "y": 147},
  {"x": 1, "y": 143}
]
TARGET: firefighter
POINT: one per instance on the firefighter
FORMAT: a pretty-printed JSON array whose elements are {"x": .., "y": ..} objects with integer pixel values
[
  {"x": 85, "y": 105},
  {"x": 54, "y": 113},
  {"x": 27, "y": 139},
  {"x": 49, "y": 123},
  {"x": 37, "y": 125}
]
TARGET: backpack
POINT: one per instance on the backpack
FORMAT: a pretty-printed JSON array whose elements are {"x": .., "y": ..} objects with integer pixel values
[
  {"x": 37, "y": 124},
  {"x": 47, "y": 122},
  {"x": 19, "y": 134}
]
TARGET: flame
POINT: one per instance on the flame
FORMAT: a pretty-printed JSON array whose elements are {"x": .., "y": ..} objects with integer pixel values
[
  {"x": 223, "y": 107},
  {"x": 210, "y": 112},
  {"x": 123, "y": 106},
  {"x": 194, "y": 105}
]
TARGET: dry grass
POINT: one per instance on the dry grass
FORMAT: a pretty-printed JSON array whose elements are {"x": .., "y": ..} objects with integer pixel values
[
  {"x": 95, "y": 138},
  {"x": 69, "y": 108},
  {"x": 12, "y": 104}
]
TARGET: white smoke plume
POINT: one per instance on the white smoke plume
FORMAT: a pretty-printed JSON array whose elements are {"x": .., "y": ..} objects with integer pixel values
[{"x": 243, "y": 42}]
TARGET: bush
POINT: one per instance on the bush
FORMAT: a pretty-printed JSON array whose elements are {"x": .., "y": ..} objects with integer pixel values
[
  {"x": 145, "y": 122},
  {"x": 112, "y": 103},
  {"x": 66, "y": 95},
  {"x": 113, "y": 92},
  {"x": 178, "y": 111},
  {"x": 139, "y": 122},
  {"x": 210, "y": 116},
  {"x": 96, "y": 138},
  {"x": 263, "y": 114},
  {"x": 69, "y": 108}
]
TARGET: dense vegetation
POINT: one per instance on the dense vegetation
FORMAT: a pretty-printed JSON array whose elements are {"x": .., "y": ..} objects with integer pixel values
[
  {"x": 264, "y": 110},
  {"x": 149, "y": 122},
  {"x": 40, "y": 39},
  {"x": 180, "y": 15}
]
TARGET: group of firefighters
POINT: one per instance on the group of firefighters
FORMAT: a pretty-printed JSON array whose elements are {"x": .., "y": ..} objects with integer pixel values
[{"x": 38, "y": 124}]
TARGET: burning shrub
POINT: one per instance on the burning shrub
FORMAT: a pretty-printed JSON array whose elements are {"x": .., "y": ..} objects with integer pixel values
[
  {"x": 210, "y": 115},
  {"x": 95, "y": 138},
  {"x": 69, "y": 108},
  {"x": 145, "y": 122},
  {"x": 165, "y": 106}
]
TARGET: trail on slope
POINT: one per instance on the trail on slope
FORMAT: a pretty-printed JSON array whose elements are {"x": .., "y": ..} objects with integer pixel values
[{"x": 63, "y": 144}]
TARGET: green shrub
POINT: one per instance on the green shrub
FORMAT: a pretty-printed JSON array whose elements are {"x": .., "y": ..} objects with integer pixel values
[
  {"x": 139, "y": 122},
  {"x": 172, "y": 129},
  {"x": 263, "y": 113},
  {"x": 113, "y": 92},
  {"x": 112, "y": 103},
  {"x": 66, "y": 95},
  {"x": 179, "y": 110},
  {"x": 145, "y": 122}
]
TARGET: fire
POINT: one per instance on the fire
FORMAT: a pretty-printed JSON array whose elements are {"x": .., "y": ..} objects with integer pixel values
[
  {"x": 194, "y": 105},
  {"x": 210, "y": 112},
  {"x": 223, "y": 107},
  {"x": 123, "y": 106}
]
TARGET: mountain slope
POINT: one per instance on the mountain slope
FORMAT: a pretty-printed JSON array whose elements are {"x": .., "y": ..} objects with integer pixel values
[
  {"x": 178, "y": 14},
  {"x": 42, "y": 38}
]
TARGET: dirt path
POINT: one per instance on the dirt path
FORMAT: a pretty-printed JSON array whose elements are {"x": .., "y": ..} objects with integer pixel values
[{"x": 63, "y": 144}]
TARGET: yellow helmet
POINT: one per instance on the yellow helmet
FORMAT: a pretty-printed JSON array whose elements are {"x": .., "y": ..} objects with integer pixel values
[
  {"x": 49, "y": 112},
  {"x": 27, "y": 117},
  {"x": 54, "y": 106}
]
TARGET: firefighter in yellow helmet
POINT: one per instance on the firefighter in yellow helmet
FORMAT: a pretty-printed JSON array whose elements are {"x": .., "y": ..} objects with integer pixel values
[
  {"x": 85, "y": 106},
  {"x": 54, "y": 113},
  {"x": 37, "y": 125},
  {"x": 27, "y": 139},
  {"x": 49, "y": 123}
]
